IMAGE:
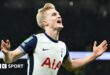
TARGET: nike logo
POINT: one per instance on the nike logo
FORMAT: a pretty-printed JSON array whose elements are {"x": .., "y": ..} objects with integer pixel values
[{"x": 44, "y": 49}]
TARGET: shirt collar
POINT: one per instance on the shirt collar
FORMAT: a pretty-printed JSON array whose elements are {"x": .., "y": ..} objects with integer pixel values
[{"x": 53, "y": 40}]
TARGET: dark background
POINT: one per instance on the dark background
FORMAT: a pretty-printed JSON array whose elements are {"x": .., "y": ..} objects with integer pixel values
[{"x": 84, "y": 22}]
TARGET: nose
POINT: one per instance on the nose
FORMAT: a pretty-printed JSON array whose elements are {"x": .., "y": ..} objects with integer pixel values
[{"x": 59, "y": 16}]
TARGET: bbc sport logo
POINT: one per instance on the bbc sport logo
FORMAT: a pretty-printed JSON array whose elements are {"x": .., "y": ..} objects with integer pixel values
[
  {"x": 11, "y": 66},
  {"x": 3, "y": 66}
]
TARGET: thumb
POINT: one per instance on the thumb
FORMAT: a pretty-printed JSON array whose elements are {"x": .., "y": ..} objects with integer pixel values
[{"x": 95, "y": 43}]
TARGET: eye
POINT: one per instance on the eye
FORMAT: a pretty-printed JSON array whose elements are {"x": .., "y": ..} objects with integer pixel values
[{"x": 54, "y": 14}]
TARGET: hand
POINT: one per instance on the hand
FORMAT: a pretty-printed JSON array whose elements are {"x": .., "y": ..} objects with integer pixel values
[
  {"x": 5, "y": 46},
  {"x": 100, "y": 49}
]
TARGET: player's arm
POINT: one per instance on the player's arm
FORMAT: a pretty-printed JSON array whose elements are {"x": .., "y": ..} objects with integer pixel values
[
  {"x": 71, "y": 64},
  {"x": 10, "y": 56},
  {"x": 27, "y": 46}
]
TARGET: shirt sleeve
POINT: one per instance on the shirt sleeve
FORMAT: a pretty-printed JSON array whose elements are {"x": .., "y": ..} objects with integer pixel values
[{"x": 29, "y": 44}]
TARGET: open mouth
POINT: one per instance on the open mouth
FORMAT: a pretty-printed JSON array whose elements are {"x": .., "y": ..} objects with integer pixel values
[{"x": 59, "y": 21}]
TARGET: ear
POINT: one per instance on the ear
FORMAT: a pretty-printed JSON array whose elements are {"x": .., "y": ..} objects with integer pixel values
[{"x": 45, "y": 23}]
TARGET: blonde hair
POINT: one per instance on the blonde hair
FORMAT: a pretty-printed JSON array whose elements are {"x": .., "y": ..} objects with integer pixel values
[{"x": 40, "y": 15}]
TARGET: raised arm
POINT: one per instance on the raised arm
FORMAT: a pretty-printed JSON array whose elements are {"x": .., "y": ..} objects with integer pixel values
[
  {"x": 27, "y": 46},
  {"x": 10, "y": 56},
  {"x": 71, "y": 64}
]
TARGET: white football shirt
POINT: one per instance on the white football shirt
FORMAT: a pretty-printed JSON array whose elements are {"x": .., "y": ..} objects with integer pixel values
[{"x": 45, "y": 54}]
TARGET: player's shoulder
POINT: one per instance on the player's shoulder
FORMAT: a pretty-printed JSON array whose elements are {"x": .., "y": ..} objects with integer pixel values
[
  {"x": 61, "y": 42},
  {"x": 39, "y": 34}
]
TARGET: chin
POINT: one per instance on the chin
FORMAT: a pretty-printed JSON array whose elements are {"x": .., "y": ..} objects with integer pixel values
[{"x": 59, "y": 28}]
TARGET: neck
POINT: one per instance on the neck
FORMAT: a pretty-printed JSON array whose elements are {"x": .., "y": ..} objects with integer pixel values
[{"x": 53, "y": 34}]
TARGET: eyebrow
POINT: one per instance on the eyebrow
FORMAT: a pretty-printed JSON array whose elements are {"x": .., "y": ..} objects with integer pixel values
[{"x": 56, "y": 12}]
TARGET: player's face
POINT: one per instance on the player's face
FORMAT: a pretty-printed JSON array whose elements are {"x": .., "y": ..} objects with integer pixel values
[{"x": 54, "y": 19}]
